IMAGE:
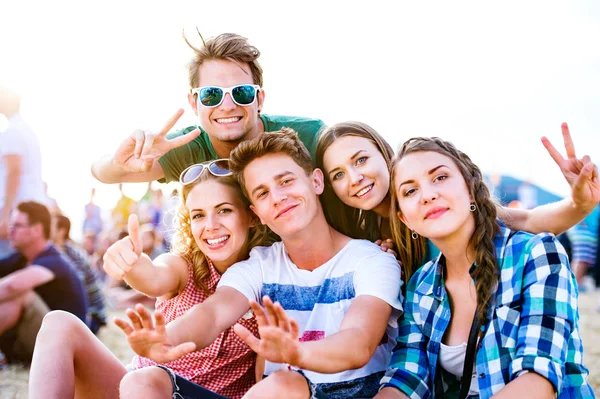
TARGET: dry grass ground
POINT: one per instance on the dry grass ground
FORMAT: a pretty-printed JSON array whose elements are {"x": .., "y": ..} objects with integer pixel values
[{"x": 13, "y": 380}]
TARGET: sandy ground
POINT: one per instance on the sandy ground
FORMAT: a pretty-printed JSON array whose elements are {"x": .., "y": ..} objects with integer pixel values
[{"x": 13, "y": 380}]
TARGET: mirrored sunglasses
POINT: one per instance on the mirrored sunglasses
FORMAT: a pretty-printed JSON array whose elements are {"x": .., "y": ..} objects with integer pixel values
[{"x": 212, "y": 96}]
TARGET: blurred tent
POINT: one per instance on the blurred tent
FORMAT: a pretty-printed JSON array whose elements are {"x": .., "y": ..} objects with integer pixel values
[{"x": 507, "y": 187}]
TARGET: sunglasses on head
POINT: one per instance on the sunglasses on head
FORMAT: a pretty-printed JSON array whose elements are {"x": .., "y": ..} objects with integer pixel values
[
  {"x": 212, "y": 96},
  {"x": 219, "y": 167}
]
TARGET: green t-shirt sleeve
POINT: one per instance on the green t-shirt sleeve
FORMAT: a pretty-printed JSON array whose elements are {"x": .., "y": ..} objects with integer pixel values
[
  {"x": 175, "y": 161},
  {"x": 308, "y": 129}
]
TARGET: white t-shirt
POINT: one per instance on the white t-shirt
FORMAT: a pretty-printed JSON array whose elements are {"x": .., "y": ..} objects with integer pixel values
[
  {"x": 318, "y": 300},
  {"x": 19, "y": 139}
]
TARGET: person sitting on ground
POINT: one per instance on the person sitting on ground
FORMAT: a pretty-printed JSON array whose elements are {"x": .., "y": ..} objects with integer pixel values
[
  {"x": 35, "y": 279},
  {"x": 495, "y": 314},
  {"x": 96, "y": 316},
  {"x": 214, "y": 231}
]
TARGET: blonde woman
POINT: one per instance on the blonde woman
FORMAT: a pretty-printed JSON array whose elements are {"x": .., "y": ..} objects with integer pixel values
[{"x": 216, "y": 230}]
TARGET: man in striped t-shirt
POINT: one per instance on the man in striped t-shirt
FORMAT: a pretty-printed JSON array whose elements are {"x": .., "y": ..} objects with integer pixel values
[{"x": 332, "y": 301}]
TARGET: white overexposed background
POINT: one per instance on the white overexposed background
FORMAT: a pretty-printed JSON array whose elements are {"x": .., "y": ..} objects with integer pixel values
[{"x": 491, "y": 77}]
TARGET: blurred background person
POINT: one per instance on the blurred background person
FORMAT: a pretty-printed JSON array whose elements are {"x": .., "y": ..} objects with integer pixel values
[
  {"x": 51, "y": 202},
  {"x": 124, "y": 207},
  {"x": 20, "y": 164},
  {"x": 151, "y": 242},
  {"x": 96, "y": 315},
  {"x": 528, "y": 196},
  {"x": 101, "y": 244},
  {"x": 88, "y": 243},
  {"x": 92, "y": 222},
  {"x": 35, "y": 279},
  {"x": 169, "y": 210},
  {"x": 584, "y": 245}
]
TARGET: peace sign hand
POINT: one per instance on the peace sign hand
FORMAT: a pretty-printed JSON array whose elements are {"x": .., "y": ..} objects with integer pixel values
[
  {"x": 581, "y": 174},
  {"x": 142, "y": 148}
]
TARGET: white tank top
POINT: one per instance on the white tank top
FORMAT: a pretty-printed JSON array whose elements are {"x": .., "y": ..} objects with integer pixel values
[{"x": 452, "y": 359}]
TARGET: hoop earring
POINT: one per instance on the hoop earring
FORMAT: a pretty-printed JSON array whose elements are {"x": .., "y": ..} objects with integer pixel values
[
  {"x": 473, "y": 207},
  {"x": 414, "y": 235}
]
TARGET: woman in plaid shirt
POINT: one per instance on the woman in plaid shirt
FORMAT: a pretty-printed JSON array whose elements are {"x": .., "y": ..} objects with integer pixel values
[{"x": 517, "y": 286}]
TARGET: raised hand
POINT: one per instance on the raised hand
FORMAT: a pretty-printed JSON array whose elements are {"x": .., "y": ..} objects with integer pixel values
[
  {"x": 149, "y": 339},
  {"x": 581, "y": 173},
  {"x": 121, "y": 257},
  {"x": 278, "y": 340},
  {"x": 142, "y": 148}
]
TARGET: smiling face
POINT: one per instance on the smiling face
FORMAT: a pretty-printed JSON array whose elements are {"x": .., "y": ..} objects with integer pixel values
[
  {"x": 282, "y": 195},
  {"x": 228, "y": 122},
  {"x": 357, "y": 172},
  {"x": 432, "y": 195},
  {"x": 220, "y": 222}
]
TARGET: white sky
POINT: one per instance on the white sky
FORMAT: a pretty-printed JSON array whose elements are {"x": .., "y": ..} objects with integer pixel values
[{"x": 492, "y": 78}]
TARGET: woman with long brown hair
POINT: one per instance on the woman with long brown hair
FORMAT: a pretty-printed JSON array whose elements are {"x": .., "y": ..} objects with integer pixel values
[
  {"x": 356, "y": 161},
  {"x": 495, "y": 314}
]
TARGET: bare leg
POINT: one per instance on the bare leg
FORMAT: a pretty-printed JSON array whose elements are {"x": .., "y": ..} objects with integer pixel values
[
  {"x": 12, "y": 309},
  {"x": 69, "y": 361},
  {"x": 292, "y": 383},
  {"x": 146, "y": 383}
]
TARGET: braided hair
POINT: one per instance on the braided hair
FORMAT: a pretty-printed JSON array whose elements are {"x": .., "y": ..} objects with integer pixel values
[{"x": 486, "y": 227}]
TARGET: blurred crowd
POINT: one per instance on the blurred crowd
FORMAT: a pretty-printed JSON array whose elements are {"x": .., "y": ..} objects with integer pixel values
[
  {"x": 155, "y": 214},
  {"x": 41, "y": 267}
]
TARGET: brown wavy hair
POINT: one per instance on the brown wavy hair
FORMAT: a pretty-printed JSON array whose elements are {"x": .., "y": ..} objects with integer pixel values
[
  {"x": 353, "y": 222},
  {"x": 283, "y": 141},
  {"x": 486, "y": 227},
  {"x": 228, "y": 47},
  {"x": 184, "y": 243}
]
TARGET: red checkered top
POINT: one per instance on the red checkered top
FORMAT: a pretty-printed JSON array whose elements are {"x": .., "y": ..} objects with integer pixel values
[{"x": 227, "y": 365}]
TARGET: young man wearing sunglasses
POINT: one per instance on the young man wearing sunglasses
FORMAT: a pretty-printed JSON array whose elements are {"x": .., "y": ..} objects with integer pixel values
[
  {"x": 324, "y": 292},
  {"x": 227, "y": 96}
]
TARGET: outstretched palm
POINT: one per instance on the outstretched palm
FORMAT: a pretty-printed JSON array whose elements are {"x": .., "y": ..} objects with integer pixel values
[
  {"x": 580, "y": 173},
  {"x": 150, "y": 340},
  {"x": 278, "y": 340}
]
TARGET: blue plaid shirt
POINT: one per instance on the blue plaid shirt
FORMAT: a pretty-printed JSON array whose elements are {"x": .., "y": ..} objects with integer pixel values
[{"x": 533, "y": 327}]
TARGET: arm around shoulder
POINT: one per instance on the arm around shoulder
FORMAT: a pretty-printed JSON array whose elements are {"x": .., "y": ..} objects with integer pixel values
[{"x": 555, "y": 218}]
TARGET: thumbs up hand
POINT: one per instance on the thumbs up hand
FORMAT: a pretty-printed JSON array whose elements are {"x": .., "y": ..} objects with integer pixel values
[{"x": 122, "y": 256}]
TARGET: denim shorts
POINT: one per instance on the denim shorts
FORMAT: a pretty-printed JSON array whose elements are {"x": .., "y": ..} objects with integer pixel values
[
  {"x": 364, "y": 387},
  {"x": 184, "y": 389}
]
